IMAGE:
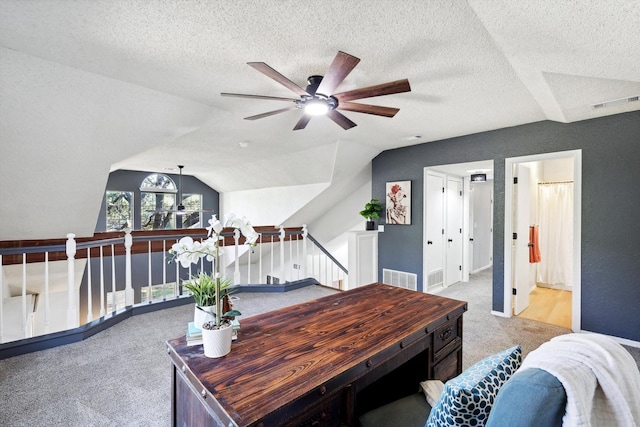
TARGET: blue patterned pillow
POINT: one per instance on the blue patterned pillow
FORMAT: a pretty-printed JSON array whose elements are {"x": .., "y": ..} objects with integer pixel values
[{"x": 467, "y": 399}]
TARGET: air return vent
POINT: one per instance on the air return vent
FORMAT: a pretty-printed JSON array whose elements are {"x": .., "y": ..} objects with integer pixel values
[
  {"x": 435, "y": 278},
  {"x": 616, "y": 102},
  {"x": 401, "y": 279}
]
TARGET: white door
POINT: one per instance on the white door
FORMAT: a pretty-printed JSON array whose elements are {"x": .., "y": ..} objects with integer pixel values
[
  {"x": 453, "y": 231},
  {"x": 522, "y": 220},
  {"x": 434, "y": 231}
]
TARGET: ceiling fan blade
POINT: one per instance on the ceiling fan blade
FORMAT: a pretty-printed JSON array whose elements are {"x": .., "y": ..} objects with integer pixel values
[
  {"x": 270, "y": 72},
  {"x": 302, "y": 123},
  {"x": 340, "y": 68},
  {"x": 377, "y": 110},
  {"x": 340, "y": 119},
  {"x": 270, "y": 113},
  {"x": 397, "y": 86},
  {"x": 273, "y": 98}
]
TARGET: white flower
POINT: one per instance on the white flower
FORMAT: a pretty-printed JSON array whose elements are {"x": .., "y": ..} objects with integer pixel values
[
  {"x": 215, "y": 226},
  {"x": 187, "y": 251},
  {"x": 232, "y": 220}
]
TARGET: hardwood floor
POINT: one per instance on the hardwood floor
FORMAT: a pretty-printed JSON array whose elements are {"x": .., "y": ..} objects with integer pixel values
[{"x": 549, "y": 306}]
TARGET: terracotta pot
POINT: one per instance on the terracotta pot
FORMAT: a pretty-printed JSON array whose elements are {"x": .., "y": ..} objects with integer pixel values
[{"x": 217, "y": 342}]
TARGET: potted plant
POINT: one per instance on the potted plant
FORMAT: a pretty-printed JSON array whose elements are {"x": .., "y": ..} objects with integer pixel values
[
  {"x": 203, "y": 289},
  {"x": 217, "y": 334},
  {"x": 370, "y": 212}
]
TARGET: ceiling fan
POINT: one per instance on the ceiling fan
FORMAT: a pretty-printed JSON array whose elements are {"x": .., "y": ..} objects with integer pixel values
[{"x": 318, "y": 98}]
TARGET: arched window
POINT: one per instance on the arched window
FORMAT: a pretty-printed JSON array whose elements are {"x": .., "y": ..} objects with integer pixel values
[
  {"x": 158, "y": 183},
  {"x": 158, "y": 193}
]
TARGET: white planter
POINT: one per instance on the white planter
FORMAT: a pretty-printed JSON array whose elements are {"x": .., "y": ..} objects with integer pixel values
[
  {"x": 200, "y": 317},
  {"x": 217, "y": 342}
]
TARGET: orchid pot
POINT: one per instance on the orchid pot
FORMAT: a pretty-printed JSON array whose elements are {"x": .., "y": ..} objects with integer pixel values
[{"x": 216, "y": 341}]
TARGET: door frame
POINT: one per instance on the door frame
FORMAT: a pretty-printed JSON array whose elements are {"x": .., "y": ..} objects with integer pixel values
[{"x": 576, "y": 155}]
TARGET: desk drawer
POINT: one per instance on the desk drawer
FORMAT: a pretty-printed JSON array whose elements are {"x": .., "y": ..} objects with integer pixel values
[
  {"x": 446, "y": 334},
  {"x": 449, "y": 367}
]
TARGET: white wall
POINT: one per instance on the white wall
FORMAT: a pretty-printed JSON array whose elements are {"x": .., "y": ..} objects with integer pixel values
[{"x": 269, "y": 206}]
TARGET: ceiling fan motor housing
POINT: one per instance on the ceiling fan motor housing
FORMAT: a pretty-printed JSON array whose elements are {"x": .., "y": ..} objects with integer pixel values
[{"x": 313, "y": 97}]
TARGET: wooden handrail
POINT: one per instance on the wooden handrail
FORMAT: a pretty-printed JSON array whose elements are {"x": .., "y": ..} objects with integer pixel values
[{"x": 12, "y": 250}]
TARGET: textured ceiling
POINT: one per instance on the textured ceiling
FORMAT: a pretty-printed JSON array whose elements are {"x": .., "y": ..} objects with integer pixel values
[{"x": 91, "y": 86}]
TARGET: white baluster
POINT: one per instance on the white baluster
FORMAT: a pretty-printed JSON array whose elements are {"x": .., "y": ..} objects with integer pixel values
[
  {"x": 236, "y": 271},
  {"x": 327, "y": 280},
  {"x": 72, "y": 310},
  {"x": 282, "y": 236},
  {"x": 114, "y": 306},
  {"x": 128, "y": 289},
  {"x": 260, "y": 260},
  {"x": 305, "y": 232},
  {"x": 47, "y": 321},
  {"x": 164, "y": 269},
  {"x": 25, "y": 327},
  {"x": 249, "y": 264},
  {"x": 271, "y": 272},
  {"x": 150, "y": 289},
  {"x": 102, "y": 291},
  {"x": 176, "y": 286},
  {"x": 298, "y": 257},
  {"x": 289, "y": 270},
  {"x": 89, "y": 294}
]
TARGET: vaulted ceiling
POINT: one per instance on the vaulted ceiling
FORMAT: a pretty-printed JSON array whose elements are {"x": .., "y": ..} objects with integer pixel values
[{"x": 91, "y": 86}]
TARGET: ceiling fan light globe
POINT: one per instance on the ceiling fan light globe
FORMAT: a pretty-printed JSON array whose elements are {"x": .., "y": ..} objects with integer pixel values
[{"x": 316, "y": 108}]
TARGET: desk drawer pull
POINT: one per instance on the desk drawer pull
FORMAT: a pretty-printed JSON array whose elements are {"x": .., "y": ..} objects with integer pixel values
[{"x": 446, "y": 334}]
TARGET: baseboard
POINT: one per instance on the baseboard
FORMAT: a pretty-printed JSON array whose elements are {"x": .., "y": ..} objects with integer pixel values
[
  {"x": 478, "y": 270},
  {"x": 499, "y": 313},
  {"x": 283, "y": 287}
]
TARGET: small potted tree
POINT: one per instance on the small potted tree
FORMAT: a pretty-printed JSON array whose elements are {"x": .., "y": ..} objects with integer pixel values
[
  {"x": 203, "y": 289},
  {"x": 370, "y": 212}
]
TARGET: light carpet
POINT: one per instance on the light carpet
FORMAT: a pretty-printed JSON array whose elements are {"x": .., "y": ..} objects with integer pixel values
[{"x": 121, "y": 376}]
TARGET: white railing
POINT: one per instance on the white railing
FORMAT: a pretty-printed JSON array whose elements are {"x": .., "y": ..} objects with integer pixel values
[{"x": 46, "y": 289}]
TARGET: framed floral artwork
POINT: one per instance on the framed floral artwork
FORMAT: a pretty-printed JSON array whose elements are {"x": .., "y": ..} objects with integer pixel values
[{"x": 398, "y": 208}]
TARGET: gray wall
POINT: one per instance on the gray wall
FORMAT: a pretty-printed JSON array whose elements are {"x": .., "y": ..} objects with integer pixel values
[
  {"x": 610, "y": 207},
  {"x": 126, "y": 180}
]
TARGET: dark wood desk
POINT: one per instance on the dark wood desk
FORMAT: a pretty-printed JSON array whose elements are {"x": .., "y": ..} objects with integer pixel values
[{"x": 322, "y": 362}]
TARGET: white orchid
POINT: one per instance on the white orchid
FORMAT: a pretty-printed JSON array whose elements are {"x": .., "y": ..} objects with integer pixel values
[
  {"x": 214, "y": 226},
  {"x": 242, "y": 224},
  {"x": 187, "y": 251}
]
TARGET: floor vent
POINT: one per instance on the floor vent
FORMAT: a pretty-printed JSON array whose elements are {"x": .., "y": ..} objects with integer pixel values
[
  {"x": 435, "y": 279},
  {"x": 401, "y": 279}
]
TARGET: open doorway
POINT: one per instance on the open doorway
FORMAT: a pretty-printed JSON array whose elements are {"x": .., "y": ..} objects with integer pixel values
[
  {"x": 458, "y": 225},
  {"x": 542, "y": 238}
]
